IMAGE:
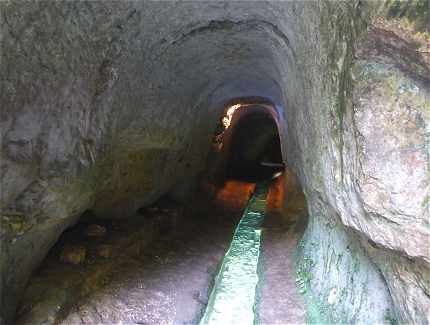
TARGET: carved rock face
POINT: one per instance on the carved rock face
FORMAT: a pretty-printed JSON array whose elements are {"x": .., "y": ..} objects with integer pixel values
[{"x": 109, "y": 105}]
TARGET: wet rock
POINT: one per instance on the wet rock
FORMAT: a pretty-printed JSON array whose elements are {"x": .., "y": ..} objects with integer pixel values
[
  {"x": 95, "y": 230},
  {"x": 73, "y": 254}
]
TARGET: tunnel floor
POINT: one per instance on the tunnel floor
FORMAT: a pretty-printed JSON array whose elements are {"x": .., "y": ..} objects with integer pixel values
[
  {"x": 168, "y": 280},
  {"x": 279, "y": 301}
]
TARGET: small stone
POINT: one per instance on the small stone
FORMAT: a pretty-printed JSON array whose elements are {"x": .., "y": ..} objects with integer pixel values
[
  {"x": 94, "y": 230},
  {"x": 104, "y": 250},
  {"x": 73, "y": 254}
]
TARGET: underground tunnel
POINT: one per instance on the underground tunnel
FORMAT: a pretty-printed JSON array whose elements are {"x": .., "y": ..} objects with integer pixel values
[
  {"x": 246, "y": 145},
  {"x": 224, "y": 162}
]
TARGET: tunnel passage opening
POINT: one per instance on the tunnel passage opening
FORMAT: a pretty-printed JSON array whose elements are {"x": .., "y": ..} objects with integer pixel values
[
  {"x": 246, "y": 144},
  {"x": 246, "y": 149},
  {"x": 255, "y": 150}
]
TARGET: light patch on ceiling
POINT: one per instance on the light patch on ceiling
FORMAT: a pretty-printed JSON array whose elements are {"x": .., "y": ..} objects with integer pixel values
[{"x": 226, "y": 120}]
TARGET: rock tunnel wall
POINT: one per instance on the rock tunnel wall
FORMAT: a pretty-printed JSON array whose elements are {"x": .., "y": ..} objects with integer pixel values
[{"x": 108, "y": 105}]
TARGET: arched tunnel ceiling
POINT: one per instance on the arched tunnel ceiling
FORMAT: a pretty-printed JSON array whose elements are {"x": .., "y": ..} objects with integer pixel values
[{"x": 219, "y": 61}]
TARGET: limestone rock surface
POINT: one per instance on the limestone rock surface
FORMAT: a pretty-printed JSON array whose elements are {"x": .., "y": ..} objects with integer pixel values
[{"x": 107, "y": 106}]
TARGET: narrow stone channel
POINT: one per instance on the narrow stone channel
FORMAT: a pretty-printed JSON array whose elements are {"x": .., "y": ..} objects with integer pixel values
[{"x": 232, "y": 298}]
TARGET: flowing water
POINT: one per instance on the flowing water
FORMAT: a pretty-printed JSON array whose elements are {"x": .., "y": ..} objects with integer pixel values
[{"x": 232, "y": 299}]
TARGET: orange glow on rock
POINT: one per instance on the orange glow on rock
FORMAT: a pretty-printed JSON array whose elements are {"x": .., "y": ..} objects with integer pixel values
[
  {"x": 276, "y": 196},
  {"x": 234, "y": 194}
]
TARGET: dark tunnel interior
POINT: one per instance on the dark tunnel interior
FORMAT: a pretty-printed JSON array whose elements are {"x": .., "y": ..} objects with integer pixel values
[{"x": 254, "y": 153}]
